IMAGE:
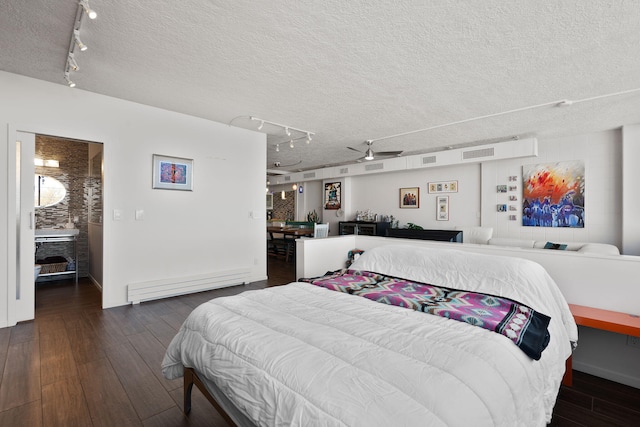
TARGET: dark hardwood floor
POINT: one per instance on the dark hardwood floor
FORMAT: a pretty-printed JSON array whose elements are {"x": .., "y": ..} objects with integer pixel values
[{"x": 79, "y": 365}]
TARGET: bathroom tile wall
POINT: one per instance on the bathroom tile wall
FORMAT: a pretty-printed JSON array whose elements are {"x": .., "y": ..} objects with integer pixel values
[
  {"x": 73, "y": 173},
  {"x": 284, "y": 209}
]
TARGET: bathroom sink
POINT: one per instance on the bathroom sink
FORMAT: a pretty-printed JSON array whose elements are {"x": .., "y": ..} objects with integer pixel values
[{"x": 57, "y": 231}]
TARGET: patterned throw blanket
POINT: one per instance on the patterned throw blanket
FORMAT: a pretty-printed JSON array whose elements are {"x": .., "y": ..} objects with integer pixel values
[{"x": 521, "y": 324}]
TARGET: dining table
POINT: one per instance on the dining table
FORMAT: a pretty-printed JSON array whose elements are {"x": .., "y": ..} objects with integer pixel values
[{"x": 285, "y": 245}]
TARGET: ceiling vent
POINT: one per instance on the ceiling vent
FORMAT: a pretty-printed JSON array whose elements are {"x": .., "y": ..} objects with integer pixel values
[
  {"x": 309, "y": 175},
  {"x": 428, "y": 160},
  {"x": 287, "y": 178},
  {"x": 374, "y": 167},
  {"x": 474, "y": 154},
  {"x": 344, "y": 170}
]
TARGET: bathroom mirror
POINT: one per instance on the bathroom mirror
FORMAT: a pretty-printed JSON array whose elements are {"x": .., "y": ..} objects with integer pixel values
[{"x": 48, "y": 191}]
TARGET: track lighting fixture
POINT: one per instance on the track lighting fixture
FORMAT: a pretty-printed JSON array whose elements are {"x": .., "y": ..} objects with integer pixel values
[
  {"x": 291, "y": 143},
  {"x": 308, "y": 138},
  {"x": 287, "y": 129},
  {"x": 75, "y": 42},
  {"x": 90, "y": 12},
  {"x": 81, "y": 46},
  {"x": 277, "y": 148}
]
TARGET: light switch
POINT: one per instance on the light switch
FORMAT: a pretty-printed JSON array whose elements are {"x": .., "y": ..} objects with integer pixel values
[
  {"x": 117, "y": 214},
  {"x": 139, "y": 214}
]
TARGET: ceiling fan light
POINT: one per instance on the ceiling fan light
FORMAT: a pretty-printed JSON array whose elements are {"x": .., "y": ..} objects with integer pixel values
[{"x": 369, "y": 154}]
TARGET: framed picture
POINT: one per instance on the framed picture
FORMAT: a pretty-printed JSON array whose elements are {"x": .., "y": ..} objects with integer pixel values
[
  {"x": 442, "y": 208},
  {"x": 269, "y": 201},
  {"x": 332, "y": 196},
  {"x": 443, "y": 187},
  {"x": 172, "y": 173},
  {"x": 501, "y": 188},
  {"x": 410, "y": 197}
]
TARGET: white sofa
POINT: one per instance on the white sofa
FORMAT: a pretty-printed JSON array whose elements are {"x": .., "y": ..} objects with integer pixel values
[{"x": 483, "y": 236}]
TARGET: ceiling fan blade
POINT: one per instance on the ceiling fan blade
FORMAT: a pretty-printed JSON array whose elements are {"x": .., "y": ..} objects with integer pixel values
[{"x": 388, "y": 153}]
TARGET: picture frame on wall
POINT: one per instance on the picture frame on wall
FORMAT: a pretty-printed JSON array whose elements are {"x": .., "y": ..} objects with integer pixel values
[
  {"x": 442, "y": 208},
  {"x": 172, "y": 173},
  {"x": 410, "y": 197},
  {"x": 442, "y": 187},
  {"x": 332, "y": 196}
]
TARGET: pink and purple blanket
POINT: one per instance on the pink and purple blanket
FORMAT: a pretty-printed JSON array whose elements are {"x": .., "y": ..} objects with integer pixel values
[{"x": 524, "y": 326}]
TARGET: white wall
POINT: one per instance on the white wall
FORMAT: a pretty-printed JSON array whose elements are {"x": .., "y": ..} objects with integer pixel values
[
  {"x": 630, "y": 193},
  {"x": 381, "y": 194},
  {"x": 183, "y": 233},
  {"x": 602, "y": 157}
]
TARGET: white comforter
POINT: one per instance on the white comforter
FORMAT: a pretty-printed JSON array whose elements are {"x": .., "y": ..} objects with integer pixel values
[{"x": 303, "y": 355}]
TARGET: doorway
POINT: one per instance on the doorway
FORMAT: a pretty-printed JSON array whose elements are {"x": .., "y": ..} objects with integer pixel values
[{"x": 64, "y": 229}]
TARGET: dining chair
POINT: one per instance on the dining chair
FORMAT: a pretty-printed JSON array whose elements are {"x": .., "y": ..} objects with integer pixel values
[{"x": 320, "y": 230}]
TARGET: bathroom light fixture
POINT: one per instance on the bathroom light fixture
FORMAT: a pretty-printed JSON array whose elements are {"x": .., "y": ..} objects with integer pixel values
[
  {"x": 90, "y": 12},
  {"x": 51, "y": 163},
  {"x": 283, "y": 196},
  {"x": 81, "y": 46},
  {"x": 38, "y": 162}
]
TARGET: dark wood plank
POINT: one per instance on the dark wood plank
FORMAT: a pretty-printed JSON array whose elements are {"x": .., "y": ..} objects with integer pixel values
[
  {"x": 170, "y": 418},
  {"x": 24, "y": 331},
  {"x": 152, "y": 352},
  {"x": 107, "y": 401},
  {"x": 84, "y": 340},
  {"x": 28, "y": 415},
  {"x": 162, "y": 331},
  {"x": 202, "y": 412},
  {"x": 5, "y": 335},
  {"x": 63, "y": 404},
  {"x": 145, "y": 392},
  {"x": 56, "y": 357},
  {"x": 21, "y": 377}
]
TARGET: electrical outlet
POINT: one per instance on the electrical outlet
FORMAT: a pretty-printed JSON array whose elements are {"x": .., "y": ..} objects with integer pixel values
[{"x": 633, "y": 341}]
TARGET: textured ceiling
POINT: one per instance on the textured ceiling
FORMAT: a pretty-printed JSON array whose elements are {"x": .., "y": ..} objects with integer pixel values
[{"x": 349, "y": 71}]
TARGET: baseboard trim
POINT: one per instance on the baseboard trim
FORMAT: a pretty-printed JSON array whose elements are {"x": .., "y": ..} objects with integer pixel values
[{"x": 607, "y": 374}]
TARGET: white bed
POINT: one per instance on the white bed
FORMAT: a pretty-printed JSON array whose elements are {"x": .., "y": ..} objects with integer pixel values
[{"x": 303, "y": 355}]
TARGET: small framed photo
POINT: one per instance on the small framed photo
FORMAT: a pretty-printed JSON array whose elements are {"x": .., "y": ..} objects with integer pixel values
[
  {"x": 172, "y": 173},
  {"x": 442, "y": 208},
  {"x": 410, "y": 197},
  {"x": 501, "y": 188},
  {"x": 443, "y": 187},
  {"x": 502, "y": 208}
]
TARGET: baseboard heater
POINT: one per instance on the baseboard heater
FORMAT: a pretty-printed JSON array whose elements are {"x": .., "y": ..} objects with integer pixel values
[{"x": 165, "y": 288}]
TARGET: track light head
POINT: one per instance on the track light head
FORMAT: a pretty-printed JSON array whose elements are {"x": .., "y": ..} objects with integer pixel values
[
  {"x": 69, "y": 82},
  {"x": 308, "y": 138},
  {"x": 291, "y": 143},
  {"x": 72, "y": 63},
  {"x": 81, "y": 46},
  {"x": 277, "y": 148},
  {"x": 261, "y": 125},
  {"x": 90, "y": 12},
  {"x": 287, "y": 131}
]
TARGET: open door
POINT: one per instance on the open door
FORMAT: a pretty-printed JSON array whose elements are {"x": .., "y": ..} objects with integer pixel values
[{"x": 23, "y": 307}]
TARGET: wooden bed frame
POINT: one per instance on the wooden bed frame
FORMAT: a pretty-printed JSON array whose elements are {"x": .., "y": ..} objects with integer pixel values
[{"x": 191, "y": 378}]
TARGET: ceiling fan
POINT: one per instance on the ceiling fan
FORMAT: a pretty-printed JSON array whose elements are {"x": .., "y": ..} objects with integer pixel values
[{"x": 370, "y": 155}]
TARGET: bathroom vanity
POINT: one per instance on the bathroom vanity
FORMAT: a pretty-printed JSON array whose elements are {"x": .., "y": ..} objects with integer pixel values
[{"x": 55, "y": 235}]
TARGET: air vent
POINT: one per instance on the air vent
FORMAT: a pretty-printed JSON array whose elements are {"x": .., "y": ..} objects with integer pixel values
[
  {"x": 474, "y": 154},
  {"x": 344, "y": 170},
  {"x": 374, "y": 167},
  {"x": 309, "y": 175},
  {"x": 428, "y": 160},
  {"x": 287, "y": 178}
]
